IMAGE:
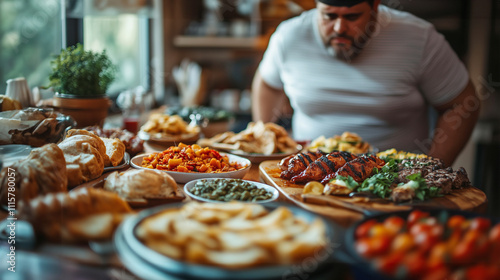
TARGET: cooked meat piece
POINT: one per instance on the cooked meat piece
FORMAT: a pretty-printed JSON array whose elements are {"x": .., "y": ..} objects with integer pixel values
[
  {"x": 461, "y": 179},
  {"x": 402, "y": 193},
  {"x": 297, "y": 163},
  {"x": 327, "y": 164},
  {"x": 359, "y": 169},
  {"x": 423, "y": 166},
  {"x": 447, "y": 179}
]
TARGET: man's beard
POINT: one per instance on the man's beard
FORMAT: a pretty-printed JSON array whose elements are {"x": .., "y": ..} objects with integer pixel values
[{"x": 342, "y": 52}]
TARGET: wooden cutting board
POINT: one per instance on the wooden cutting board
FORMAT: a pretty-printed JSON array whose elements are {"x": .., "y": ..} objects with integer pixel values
[{"x": 346, "y": 211}]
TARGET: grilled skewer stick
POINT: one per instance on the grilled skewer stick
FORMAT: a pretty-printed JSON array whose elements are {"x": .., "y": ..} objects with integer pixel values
[
  {"x": 323, "y": 166},
  {"x": 294, "y": 164},
  {"x": 359, "y": 169}
]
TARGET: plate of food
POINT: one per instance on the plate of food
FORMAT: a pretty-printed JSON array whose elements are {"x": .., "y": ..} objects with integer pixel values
[
  {"x": 271, "y": 239},
  {"x": 226, "y": 189},
  {"x": 347, "y": 142},
  {"x": 142, "y": 188},
  {"x": 123, "y": 164},
  {"x": 161, "y": 128},
  {"x": 191, "y": 162},
  {"x": 424, "y": 244},
  {"x": 258, "y": 142}
]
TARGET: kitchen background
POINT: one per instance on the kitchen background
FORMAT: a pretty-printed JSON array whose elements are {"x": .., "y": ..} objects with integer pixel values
[{"x": 225, "y": 40}]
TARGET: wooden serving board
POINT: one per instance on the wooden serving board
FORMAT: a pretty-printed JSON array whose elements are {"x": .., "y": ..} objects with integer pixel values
[{"x": 346, "y": 211}]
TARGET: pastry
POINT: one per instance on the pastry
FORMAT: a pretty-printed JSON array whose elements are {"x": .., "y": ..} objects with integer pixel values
[
  {"x": 80, "y": 215},
  {"x": 115, "y": 150},
  {"x": 84, "y": 161},
  {"x": 98, "y": 143},
  {"x": 42, "y": 172},
  {"x": 141, "y": 184}
]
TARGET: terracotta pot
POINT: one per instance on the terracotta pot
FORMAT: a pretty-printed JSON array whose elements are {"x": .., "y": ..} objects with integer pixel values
[{"x": 86, "y": 111}]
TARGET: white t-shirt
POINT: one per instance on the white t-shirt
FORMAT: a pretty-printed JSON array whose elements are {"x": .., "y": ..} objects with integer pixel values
[{"x": 382, "y": 95}]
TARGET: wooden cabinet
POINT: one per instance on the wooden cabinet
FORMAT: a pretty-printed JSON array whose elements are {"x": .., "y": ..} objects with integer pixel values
[{"x": 228, "y": 41}]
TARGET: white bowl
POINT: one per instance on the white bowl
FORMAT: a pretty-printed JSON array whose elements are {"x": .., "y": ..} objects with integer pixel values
[
  {"x": 184, "y": 177},
  {"x": 190, "y": 185}
]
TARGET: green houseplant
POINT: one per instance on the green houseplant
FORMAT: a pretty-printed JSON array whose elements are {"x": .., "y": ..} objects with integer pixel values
[{"x": 80, "y": 79}]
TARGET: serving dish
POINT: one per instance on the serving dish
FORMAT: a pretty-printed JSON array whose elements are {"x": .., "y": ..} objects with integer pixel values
[
  {"x": 366, "y": 269},
  {"x": 168, "y": 140},
  {"x": 124, "y": 163},
  {"x": 190, "y": 185},
  {"x": 184, "y": 177},
  {"x": 258, "y": 158},
  {"x": 150, "y": 264}
]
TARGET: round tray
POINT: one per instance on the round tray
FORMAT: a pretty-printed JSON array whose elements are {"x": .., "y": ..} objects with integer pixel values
[{"x": 149, "y": 264}]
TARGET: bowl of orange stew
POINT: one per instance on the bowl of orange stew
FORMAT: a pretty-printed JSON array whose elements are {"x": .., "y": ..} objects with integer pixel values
[{"x": 191, "y": 162}]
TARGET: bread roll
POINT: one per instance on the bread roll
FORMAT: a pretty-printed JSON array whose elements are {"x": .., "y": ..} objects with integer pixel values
[
  {"x": 65, "y": 216},
  {"x": 141, "y": 183},
  {"x": 98, "y": 143},
  {"x": 115, "y": 150},
  {"x": 42, "y": 172},
  {"x": 84, "y": 160}
]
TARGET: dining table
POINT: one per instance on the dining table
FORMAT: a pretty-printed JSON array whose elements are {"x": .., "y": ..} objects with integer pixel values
[{"x": 38, "y": 259}]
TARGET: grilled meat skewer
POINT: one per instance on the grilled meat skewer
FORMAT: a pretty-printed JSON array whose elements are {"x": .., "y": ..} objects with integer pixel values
[
  {"x": 359, "y": 169},
  {"x": 323, "y": 166},
  {"x": 294, "y": 164}
]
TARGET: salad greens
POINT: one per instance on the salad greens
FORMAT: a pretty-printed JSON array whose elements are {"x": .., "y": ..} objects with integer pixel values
[{"x": 382, "y": 182}]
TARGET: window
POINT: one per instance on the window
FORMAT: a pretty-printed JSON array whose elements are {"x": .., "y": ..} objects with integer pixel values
[{"x": 32, "y": 32}]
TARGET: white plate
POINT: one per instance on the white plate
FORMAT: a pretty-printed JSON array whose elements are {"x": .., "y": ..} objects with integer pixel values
[
  {"x": 164, "y": 138},
  {"x": 124, "y": 163},
  {"x": 184, "y": 177},
  {"x": 258, "y": 158},
  {"x": 189, "y": 186}
]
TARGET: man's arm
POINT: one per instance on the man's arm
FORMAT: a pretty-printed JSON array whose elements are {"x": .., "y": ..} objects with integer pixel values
[
  {"x": 267, "y": 102},
  {"x": 455, "y": 124}
]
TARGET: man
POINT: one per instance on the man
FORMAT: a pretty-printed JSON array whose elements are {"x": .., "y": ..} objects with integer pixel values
[{"x": 358, "y": 66}]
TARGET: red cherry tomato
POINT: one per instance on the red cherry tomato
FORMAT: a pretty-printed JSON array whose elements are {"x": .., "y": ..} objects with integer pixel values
[
  {"x": 494, "y": 235},
  {"x": 439, "y": 273},
  {"x": 480, "y": 224},
  {"x": 464, "y": 252},
  {"x": 456, "y": 221},
  {"x": 370, "y": 247},
  {"x": 363, "y": 229},
  {"x": 388, "y": 264},
  {"x": 403, "y": 242},
  {"x": 483, "y": 272},
  {"x": 415, "y": 263},
  {"x": 394, "y": 223},
  {"x": 415, "y": 216}
]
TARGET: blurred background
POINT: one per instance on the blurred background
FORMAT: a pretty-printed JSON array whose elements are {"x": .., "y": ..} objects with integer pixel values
[{"x": 225, "y": 40}]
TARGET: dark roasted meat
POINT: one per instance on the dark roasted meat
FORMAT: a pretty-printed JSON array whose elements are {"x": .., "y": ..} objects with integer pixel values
[
  {"x": 323, "y": 166},
  {"x": 447, "y": 179},
  {"x": 421, "y": 165},
  {"x": 294, "y": 165},
  {"x": 359, "y": 169}
]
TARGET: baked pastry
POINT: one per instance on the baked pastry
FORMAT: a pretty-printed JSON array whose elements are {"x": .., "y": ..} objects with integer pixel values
[
  {"x": 115, "y": 150},
  {"x": 98, "y": 143},
  {"x": 80, "y": 215},
  {"x": 137, "y": 184},
  {"x": 42, "y": 172},
  {"x": 84, "y": 161}
]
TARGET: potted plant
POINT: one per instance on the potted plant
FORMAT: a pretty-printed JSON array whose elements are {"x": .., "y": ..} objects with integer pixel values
[{"x": 80, "y": 79}]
